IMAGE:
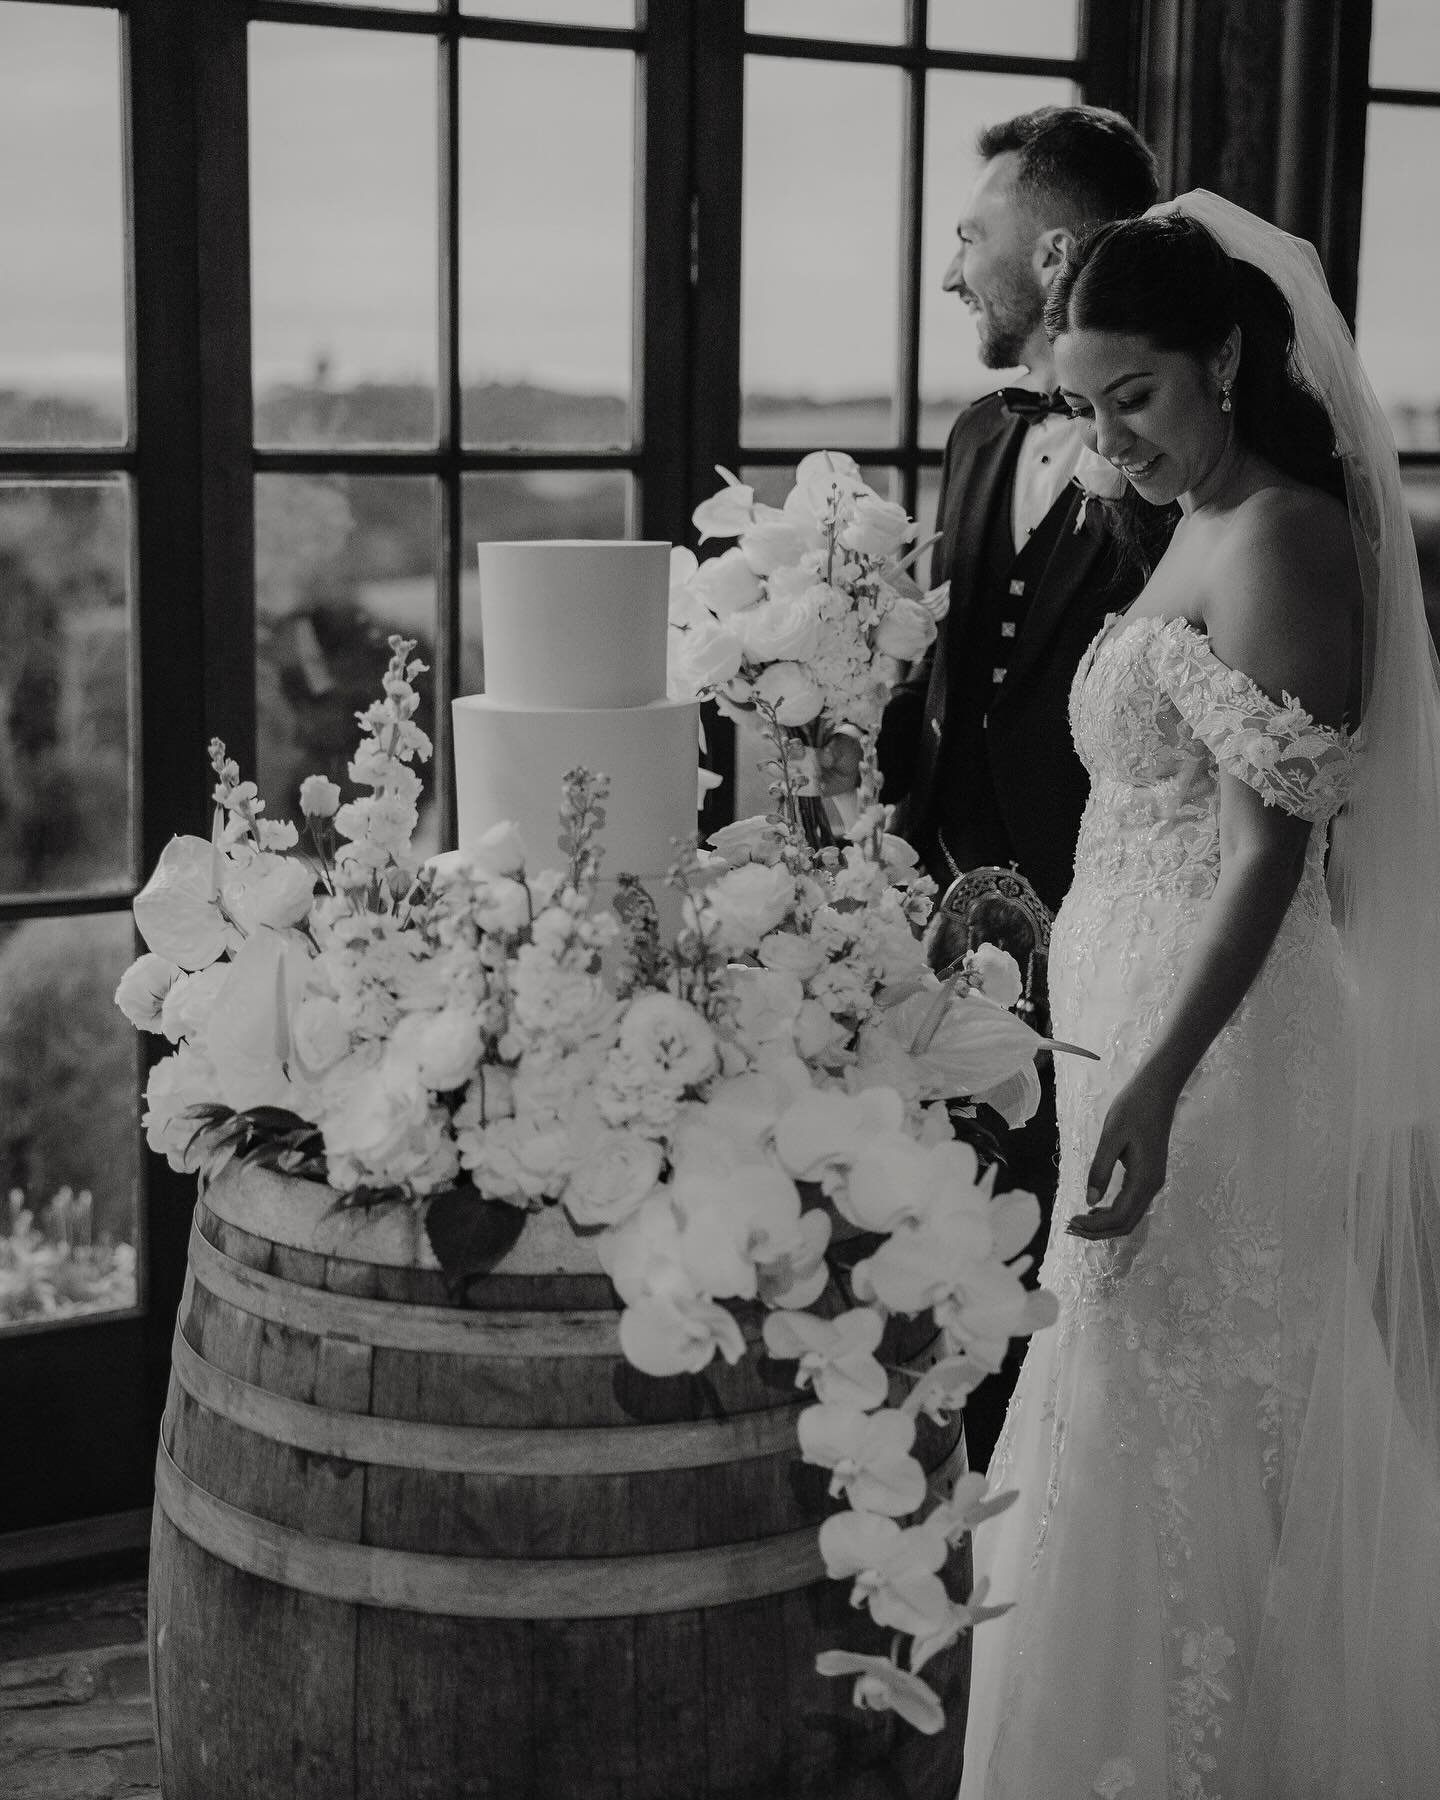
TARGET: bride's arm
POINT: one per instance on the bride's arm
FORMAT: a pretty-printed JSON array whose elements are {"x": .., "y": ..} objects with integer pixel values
[{"x": 1284, "y": 621}]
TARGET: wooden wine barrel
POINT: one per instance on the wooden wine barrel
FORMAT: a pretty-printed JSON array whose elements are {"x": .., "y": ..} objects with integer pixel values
[{"x": 403, "y": 1549}]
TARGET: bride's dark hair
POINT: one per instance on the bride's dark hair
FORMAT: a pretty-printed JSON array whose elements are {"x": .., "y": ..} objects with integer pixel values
[{"x": 1166, "y": 278}]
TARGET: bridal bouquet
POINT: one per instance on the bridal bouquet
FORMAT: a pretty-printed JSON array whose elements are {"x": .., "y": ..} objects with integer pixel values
[
  {"x": 808, "y": 617},
  {"x": 755, "y": 1113}
]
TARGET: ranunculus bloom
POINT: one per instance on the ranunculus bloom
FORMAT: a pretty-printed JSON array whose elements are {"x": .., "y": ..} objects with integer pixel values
[
  {"x": 190, "y": 1002},
  {"x": 703, "y": 656},
  {"x": 749, "y": 902},
  {"x": 786, "y": 686},
  {"x": 319, "y": 798},
  {"x": 672, "y": 1036},
  {"x": 143, "y": 987},
  {"x": 176, "y": 1084},
  {"x": 277, "y": 891},
  {"x": 877, "y": 527},
  {"x": 617, "y": 1171},
  {"x": 779, "y": 630},
  {"x": 997, "y": 974},
  {"x": 793, "y": 954}
]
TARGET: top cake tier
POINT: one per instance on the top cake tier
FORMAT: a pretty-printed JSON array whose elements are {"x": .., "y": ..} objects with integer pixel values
[{"x": 575, "y": 623}]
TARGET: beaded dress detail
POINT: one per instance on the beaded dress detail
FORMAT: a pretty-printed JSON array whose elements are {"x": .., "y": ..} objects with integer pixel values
[{"x": 1152, "y": 1427}]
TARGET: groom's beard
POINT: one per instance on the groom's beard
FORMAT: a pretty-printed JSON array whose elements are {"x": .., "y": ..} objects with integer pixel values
[{"x": 1008, "y": 323}]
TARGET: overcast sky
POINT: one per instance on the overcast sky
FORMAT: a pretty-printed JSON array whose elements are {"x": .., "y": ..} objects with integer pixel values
[{"x": 344, "y": 201}]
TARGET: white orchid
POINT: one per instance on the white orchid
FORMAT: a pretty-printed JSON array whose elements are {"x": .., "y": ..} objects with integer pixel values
[{"x": 868, "y": 1455}]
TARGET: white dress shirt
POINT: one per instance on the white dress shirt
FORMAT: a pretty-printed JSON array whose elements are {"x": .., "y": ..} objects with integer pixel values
[{"x": 1049, "y": 452}]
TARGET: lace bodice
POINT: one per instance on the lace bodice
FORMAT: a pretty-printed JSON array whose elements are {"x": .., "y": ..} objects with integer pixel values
[
  {"x": 1156, "y": 716},
  {"x": 1152, "y": 1429}
]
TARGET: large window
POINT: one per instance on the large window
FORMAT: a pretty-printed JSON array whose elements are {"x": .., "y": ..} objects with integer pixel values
[
  {"x": 1396, "y": 314},
  {"x": 305, "y": 297}
]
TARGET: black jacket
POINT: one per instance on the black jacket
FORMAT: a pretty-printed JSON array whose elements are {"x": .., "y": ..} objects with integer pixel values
[{"x": 1037, "y": 784}]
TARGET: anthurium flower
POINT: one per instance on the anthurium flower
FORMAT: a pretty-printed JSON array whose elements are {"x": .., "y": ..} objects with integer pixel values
[
  {"x": 829, "y": 1130},
  {"x": 178, "y": 911},
  {"x": 881, "y": 1686},
  {"x": 837, "y": 1355},
  {"x": 972, "y": 1047},
  {"x": 868, "y": 1454},
  {"x": 727, "y": 513}
]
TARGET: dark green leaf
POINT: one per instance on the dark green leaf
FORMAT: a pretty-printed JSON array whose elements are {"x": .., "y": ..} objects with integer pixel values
[{"x": 469, "y": 1234}]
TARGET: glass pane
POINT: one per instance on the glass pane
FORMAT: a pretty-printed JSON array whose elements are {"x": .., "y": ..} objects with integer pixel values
[
  {"x": 394, "y": 5},
  {"x": 1020, "y": 28},
  {"x": 542, "y": 503},
  {"x": 957, "y": 107},
  {"x": 341, "y": 563},
  {"x": 1422, "y": 491},
  {"x": 1396, "y": 314},
  {"x": 858, "y": 21},
  {"x": 820, "y": 283},
  {"x": 547, "y": 244},
  {"x": 69, "y": 1150},
  {"x": 1405, "y": 44},
  {"x": 344, "y": 246},
  {"x": 62, "y": 221},
  {"x": 65, "y": 799},
  {"x": 557, "y": 12}
]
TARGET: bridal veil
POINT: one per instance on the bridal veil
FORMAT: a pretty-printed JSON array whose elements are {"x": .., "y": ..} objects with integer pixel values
[{"x": 1344, "y": 1699}]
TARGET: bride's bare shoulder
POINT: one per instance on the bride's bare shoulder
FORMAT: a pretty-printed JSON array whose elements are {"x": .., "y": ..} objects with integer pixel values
[{"x": 1284, "y": 596}]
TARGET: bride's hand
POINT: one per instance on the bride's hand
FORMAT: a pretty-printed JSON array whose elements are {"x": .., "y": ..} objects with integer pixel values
[{"x": 1136, "y": 1134}]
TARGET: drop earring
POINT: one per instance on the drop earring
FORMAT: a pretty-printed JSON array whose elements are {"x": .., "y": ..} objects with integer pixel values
[{"x": 1226, "y": 405}]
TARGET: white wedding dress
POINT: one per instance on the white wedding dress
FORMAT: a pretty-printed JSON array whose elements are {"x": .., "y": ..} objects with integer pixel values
[{"x": 1150, "y": 1431}]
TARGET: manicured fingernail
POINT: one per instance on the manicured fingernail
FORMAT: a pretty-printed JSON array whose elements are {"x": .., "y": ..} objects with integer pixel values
[{"x": 1092, "y": 1196}]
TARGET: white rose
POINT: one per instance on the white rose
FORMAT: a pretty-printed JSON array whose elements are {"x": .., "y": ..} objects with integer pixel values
[
  {"x": 703, "y": 656},
  {"x": 270, "y": 890},
  {"x": 797, "y": 699},
  {"x": 319, "y": 798},
  {"x": 143, "y": 988},
  {"x": 906, "y": 632},
  {"x": 749, "y": 902},
  {"x": 189, "y": 1003},
  {"x": 176, "y": 1084},
  {"x": 997, "y": 974},
  {"x": 784, "y": 630},
  {"x": 369, "y": 1115},
  {"x": 615, "y": 1174},
  {"x": 755, "y": 839},
  {"x": 726, "y": 584},
  {"x": 877, "y": 527}
]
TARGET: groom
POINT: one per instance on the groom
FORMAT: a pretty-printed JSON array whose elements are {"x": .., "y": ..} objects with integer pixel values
[{"x": 976, "y": 746}]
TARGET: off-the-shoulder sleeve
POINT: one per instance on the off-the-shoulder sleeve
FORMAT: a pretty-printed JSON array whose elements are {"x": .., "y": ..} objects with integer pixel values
[{"x": 1276, "y": 748}]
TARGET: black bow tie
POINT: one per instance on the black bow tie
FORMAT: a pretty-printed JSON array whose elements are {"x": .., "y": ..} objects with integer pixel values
[{"x": 1025, "y": 403}]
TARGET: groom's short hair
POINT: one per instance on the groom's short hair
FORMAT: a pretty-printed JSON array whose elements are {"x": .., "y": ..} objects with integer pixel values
[{"x": 1078, "y": 165}]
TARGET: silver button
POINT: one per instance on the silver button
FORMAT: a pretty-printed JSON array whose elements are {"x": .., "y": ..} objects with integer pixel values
[
  {"x": 1008, "y": 628},
  {"x": 1017, "y": 588},
  {"x": 997, "y": 674}
]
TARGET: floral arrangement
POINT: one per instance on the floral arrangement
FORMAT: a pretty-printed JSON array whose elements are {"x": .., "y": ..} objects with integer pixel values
[
  {"x": 808, "y": 618},
  {"x": 756, "y": 1112}
]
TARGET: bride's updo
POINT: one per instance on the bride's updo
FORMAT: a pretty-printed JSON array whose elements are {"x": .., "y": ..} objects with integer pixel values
[{"x": 1165, "y": 277}]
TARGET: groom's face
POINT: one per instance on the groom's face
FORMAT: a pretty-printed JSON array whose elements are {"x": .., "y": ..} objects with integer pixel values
[{"x": 993, "y": 270}]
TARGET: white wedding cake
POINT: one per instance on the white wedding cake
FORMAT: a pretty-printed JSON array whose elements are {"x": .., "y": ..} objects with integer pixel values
[{"x": 574, "y": 641}]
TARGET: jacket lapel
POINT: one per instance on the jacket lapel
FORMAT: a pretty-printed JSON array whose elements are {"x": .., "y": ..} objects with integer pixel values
[
  {"x": 1071, "y": 564},
  {"x": 976, "y": 497}
]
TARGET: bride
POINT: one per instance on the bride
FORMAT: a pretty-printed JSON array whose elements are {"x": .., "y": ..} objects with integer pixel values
[{"x": 1225, "y": 1557}]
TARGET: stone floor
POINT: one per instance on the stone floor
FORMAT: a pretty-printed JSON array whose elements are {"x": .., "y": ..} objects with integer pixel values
[{"x": 75, "y": 1697}]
